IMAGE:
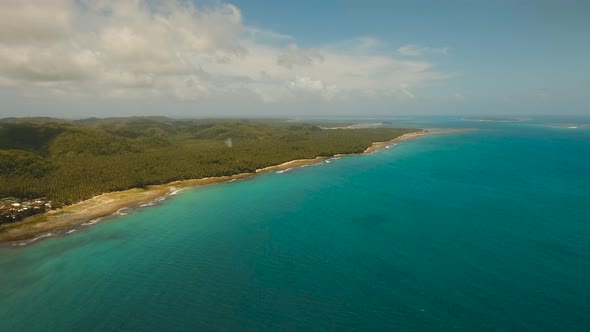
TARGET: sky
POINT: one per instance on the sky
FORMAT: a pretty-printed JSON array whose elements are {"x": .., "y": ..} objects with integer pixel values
[{"x": 207, "y": 58}]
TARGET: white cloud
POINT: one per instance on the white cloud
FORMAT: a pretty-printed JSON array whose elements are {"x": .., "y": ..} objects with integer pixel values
[
  {"x": 24, "y": 22},
  {"x": 415, "y": 50},
  {"x": 263, "y": 36},
  {"x": 408, "y": 93},
  {"x": 138, "y": 49},
  {"x": 295, "y": 56},
  {"x": 307, "y": 87}
]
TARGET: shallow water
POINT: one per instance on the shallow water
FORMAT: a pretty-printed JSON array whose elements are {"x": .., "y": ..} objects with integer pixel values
[{"x": 486, "y": 230}]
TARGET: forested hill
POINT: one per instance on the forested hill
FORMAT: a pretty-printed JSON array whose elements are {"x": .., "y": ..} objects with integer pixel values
[{"x": 68, "y": 161}]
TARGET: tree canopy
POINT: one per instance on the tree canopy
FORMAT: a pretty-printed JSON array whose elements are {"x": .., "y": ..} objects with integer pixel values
[{"x": 68, "y": 161}]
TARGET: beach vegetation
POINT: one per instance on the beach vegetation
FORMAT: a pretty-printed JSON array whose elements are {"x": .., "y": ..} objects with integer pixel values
[{"x": 69, "y": 161}]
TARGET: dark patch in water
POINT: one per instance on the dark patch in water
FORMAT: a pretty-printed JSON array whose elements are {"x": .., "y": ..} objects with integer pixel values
[
  {"x": 371, "y": 220},
  {"x": 558, "y": 248}
]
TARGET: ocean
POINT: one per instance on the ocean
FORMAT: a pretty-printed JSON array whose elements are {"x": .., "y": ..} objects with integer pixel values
[{"x": 485, "y": 230}]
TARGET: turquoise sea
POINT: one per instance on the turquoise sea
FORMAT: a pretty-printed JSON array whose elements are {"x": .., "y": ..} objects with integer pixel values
[{"x": 487, "y": 230}]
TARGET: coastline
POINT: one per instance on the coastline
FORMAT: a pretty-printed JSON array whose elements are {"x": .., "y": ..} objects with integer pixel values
[
  {"x": 376, "y": 146},
  {"x": 69, "y": 219}
]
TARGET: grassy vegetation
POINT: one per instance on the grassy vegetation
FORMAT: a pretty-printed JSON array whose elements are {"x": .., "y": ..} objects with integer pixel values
[{"x": 68, "y": 161}]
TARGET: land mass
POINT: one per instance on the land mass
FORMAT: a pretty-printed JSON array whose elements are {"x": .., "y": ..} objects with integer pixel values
[{"x": 93, "y": 168}]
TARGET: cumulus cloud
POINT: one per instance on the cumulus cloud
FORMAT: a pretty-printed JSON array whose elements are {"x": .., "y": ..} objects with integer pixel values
[
  {"x": 138, "y": 49},
  {"x": 415, "y": 50},
  {"x": 295, "y": 56},
  {"x": 24, "y": 22},
  {"x": 408, "y": 93},
  {"x": 310, "y": 88}
]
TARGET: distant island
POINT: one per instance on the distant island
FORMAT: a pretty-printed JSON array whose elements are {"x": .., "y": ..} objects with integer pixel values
[{"x": 47, "y": 164}]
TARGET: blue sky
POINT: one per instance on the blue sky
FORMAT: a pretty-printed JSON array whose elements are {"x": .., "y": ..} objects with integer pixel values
[
  {"x": 279, "y": 58},
  {"x": 498, "y": 48}
]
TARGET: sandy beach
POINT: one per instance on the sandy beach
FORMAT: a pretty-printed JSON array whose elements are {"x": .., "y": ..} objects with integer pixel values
[
  {"x": 381, "y": 145},
  {"x": 85, "y": 213}
]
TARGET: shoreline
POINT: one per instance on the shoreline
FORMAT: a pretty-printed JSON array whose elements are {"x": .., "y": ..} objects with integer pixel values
[
  {"x": 376, "y": 146},
  {"x": 71, "y": 218}
]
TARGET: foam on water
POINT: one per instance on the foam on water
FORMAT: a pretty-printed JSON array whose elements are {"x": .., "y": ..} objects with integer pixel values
[
  {"x": 33, "y": 240},
  {"x": 92, "y": 222},
  {"x": 175, "y": 192},
  {"x": 123, "y": 211}
]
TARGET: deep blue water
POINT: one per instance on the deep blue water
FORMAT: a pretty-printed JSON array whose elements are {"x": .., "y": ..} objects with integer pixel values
[{"x": 487, "y": 230}]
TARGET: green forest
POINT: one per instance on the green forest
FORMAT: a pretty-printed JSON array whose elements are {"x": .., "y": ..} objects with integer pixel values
[{"x": 69, "y": 161}]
